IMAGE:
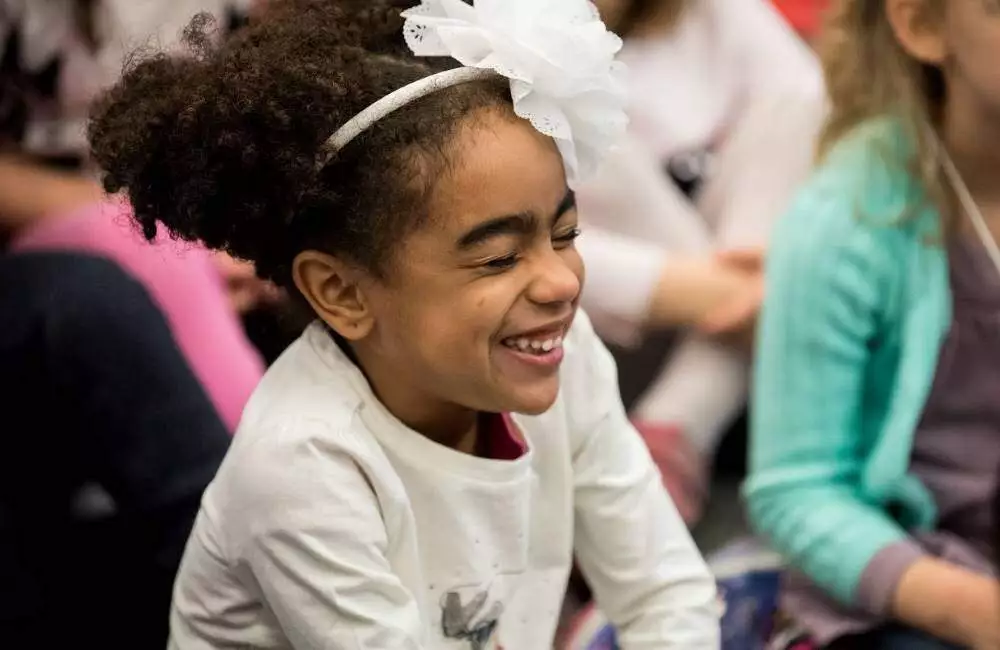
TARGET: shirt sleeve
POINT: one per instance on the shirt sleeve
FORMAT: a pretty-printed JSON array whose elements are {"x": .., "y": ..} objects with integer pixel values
[
  {"x": 622, "y": 273},
  {"x": 769, "y": 146},
  {"x": 632, "y": 545},
  {"x": 318, "y": 552}
]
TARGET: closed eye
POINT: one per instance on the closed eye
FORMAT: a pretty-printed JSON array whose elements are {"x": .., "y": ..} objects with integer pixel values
[
  {"x": 509, "y": 261},
  {"x": 501, "y": 263},
  {"x": 567, "y": 237}
]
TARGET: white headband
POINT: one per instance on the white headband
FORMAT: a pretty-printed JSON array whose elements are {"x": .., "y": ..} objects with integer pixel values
[
  {"x": 557, "y": 54},
  {"x": 396, "y": 100}
]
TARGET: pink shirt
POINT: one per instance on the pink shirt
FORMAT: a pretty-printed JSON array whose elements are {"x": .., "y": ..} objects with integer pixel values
[{"x": 182, "y": 279}]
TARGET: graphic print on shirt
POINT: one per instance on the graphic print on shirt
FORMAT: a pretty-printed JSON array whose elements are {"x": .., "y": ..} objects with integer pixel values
[{"x": 474, "y": 620}]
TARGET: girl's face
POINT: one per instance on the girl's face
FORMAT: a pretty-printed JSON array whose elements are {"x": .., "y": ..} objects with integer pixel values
[{"x": 478, "y": 298}]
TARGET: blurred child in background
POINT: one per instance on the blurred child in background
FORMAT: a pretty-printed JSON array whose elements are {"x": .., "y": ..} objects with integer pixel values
[
  {"x": 118, "y": 360},
  {"x": 56, "y": 55},
  {"x": 726, "y": 103},
  {"x": 875, "y": 412},
  {"x": 109, "y": 442}
]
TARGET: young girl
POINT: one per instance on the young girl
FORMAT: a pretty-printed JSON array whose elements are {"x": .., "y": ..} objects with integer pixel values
[
  {"x": 417, "y": 470},
  {"x": 875, "y": 412},
  {"x": 725, "y": 105}
]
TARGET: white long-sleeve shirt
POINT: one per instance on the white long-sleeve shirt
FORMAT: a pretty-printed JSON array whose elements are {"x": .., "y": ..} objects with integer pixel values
[
  {"x": 731, "y": 80},
  {"x": 332, "y": 526}
]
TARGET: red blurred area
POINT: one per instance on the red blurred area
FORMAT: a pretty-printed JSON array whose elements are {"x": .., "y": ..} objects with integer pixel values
[{"x": 804, "y": 15}]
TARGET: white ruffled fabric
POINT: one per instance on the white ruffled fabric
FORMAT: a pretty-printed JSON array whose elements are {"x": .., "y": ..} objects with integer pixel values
[{"x": 558, "y": 55}]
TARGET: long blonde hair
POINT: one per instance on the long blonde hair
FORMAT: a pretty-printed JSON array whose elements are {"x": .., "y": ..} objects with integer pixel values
[{"x": 870, "y": 75}]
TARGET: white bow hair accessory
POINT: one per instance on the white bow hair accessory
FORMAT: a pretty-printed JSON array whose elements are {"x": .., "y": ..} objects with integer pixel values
[{"x": 557, "y": 54}]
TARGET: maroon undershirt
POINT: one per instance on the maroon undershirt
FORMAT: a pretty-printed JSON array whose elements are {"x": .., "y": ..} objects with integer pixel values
[{"x": 503, "y": 441}]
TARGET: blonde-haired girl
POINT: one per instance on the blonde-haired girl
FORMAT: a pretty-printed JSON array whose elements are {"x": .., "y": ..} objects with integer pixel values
[{"x": 876, "y": 417}]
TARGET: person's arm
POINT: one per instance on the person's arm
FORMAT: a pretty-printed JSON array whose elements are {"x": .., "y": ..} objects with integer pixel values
[
  {"x": 649, "y": 255},
  {"x": 950, "y": 603},
  {"x": 646, "y": 286},
  {"x": 632, "y": 545},
  {"x": 769, "y": 145},
  {"x": 829, "y": 277},
  {"x": 30, "y": 192}
]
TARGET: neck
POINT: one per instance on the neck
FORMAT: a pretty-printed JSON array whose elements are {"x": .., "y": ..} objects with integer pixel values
[
  {"x": 445, "y": 423},
  {"x": 972, "y": 138}
]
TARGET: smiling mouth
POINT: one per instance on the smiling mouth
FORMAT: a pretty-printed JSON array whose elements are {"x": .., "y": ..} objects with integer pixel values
[{"x": 538, "y": 346}]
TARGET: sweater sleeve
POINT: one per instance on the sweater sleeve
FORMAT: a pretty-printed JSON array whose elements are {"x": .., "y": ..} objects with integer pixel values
[
  {"x": 830, "y": 275},
  {"x": 633, "y": 547}
]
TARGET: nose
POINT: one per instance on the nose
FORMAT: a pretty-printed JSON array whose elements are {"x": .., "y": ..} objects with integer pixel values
[{"x": 556, "y": 280}]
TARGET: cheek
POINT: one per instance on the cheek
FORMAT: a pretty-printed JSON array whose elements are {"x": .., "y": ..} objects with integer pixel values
[
  {"x": 406, "y": 318},
  {"x": 488, "y": 305},
  {"x": 976, "y": 50},
  {"x": 456, "y": 323}
]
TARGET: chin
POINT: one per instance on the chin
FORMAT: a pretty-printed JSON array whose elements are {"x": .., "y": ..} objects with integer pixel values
[{"x": 536, "y": 400}]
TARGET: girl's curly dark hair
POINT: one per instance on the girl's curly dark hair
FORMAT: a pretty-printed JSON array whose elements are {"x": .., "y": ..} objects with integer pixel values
[{"x": 220, "y": 145}]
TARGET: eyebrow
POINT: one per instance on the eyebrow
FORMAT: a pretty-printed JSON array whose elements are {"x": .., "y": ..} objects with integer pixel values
[
  {"x": 513, "y": 224},
  {"x": 567, "y": 204}
]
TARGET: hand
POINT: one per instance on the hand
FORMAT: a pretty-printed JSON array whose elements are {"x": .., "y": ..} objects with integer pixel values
[
  {"x": 738, "y": 315},
  {"x": 714, "y": 293},
  {"x": 246, "y": 291}
]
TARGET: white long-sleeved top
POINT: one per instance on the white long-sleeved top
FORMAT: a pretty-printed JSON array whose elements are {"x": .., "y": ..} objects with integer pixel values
[
  {"x": 332, "y": 526},
  {"x": 732, "y": 80}
]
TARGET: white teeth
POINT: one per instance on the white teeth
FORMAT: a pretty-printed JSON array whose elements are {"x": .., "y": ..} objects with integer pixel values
[{"x": 525, "y": 344}]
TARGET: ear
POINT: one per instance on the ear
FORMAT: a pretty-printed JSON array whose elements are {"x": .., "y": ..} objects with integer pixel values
[
  {"x": 919, "y": 29},
  {"x": 332, "y": 289}
]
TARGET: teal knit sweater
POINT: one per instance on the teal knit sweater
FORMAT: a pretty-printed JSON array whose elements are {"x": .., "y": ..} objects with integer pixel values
[{"x": 858, "y": 304}]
